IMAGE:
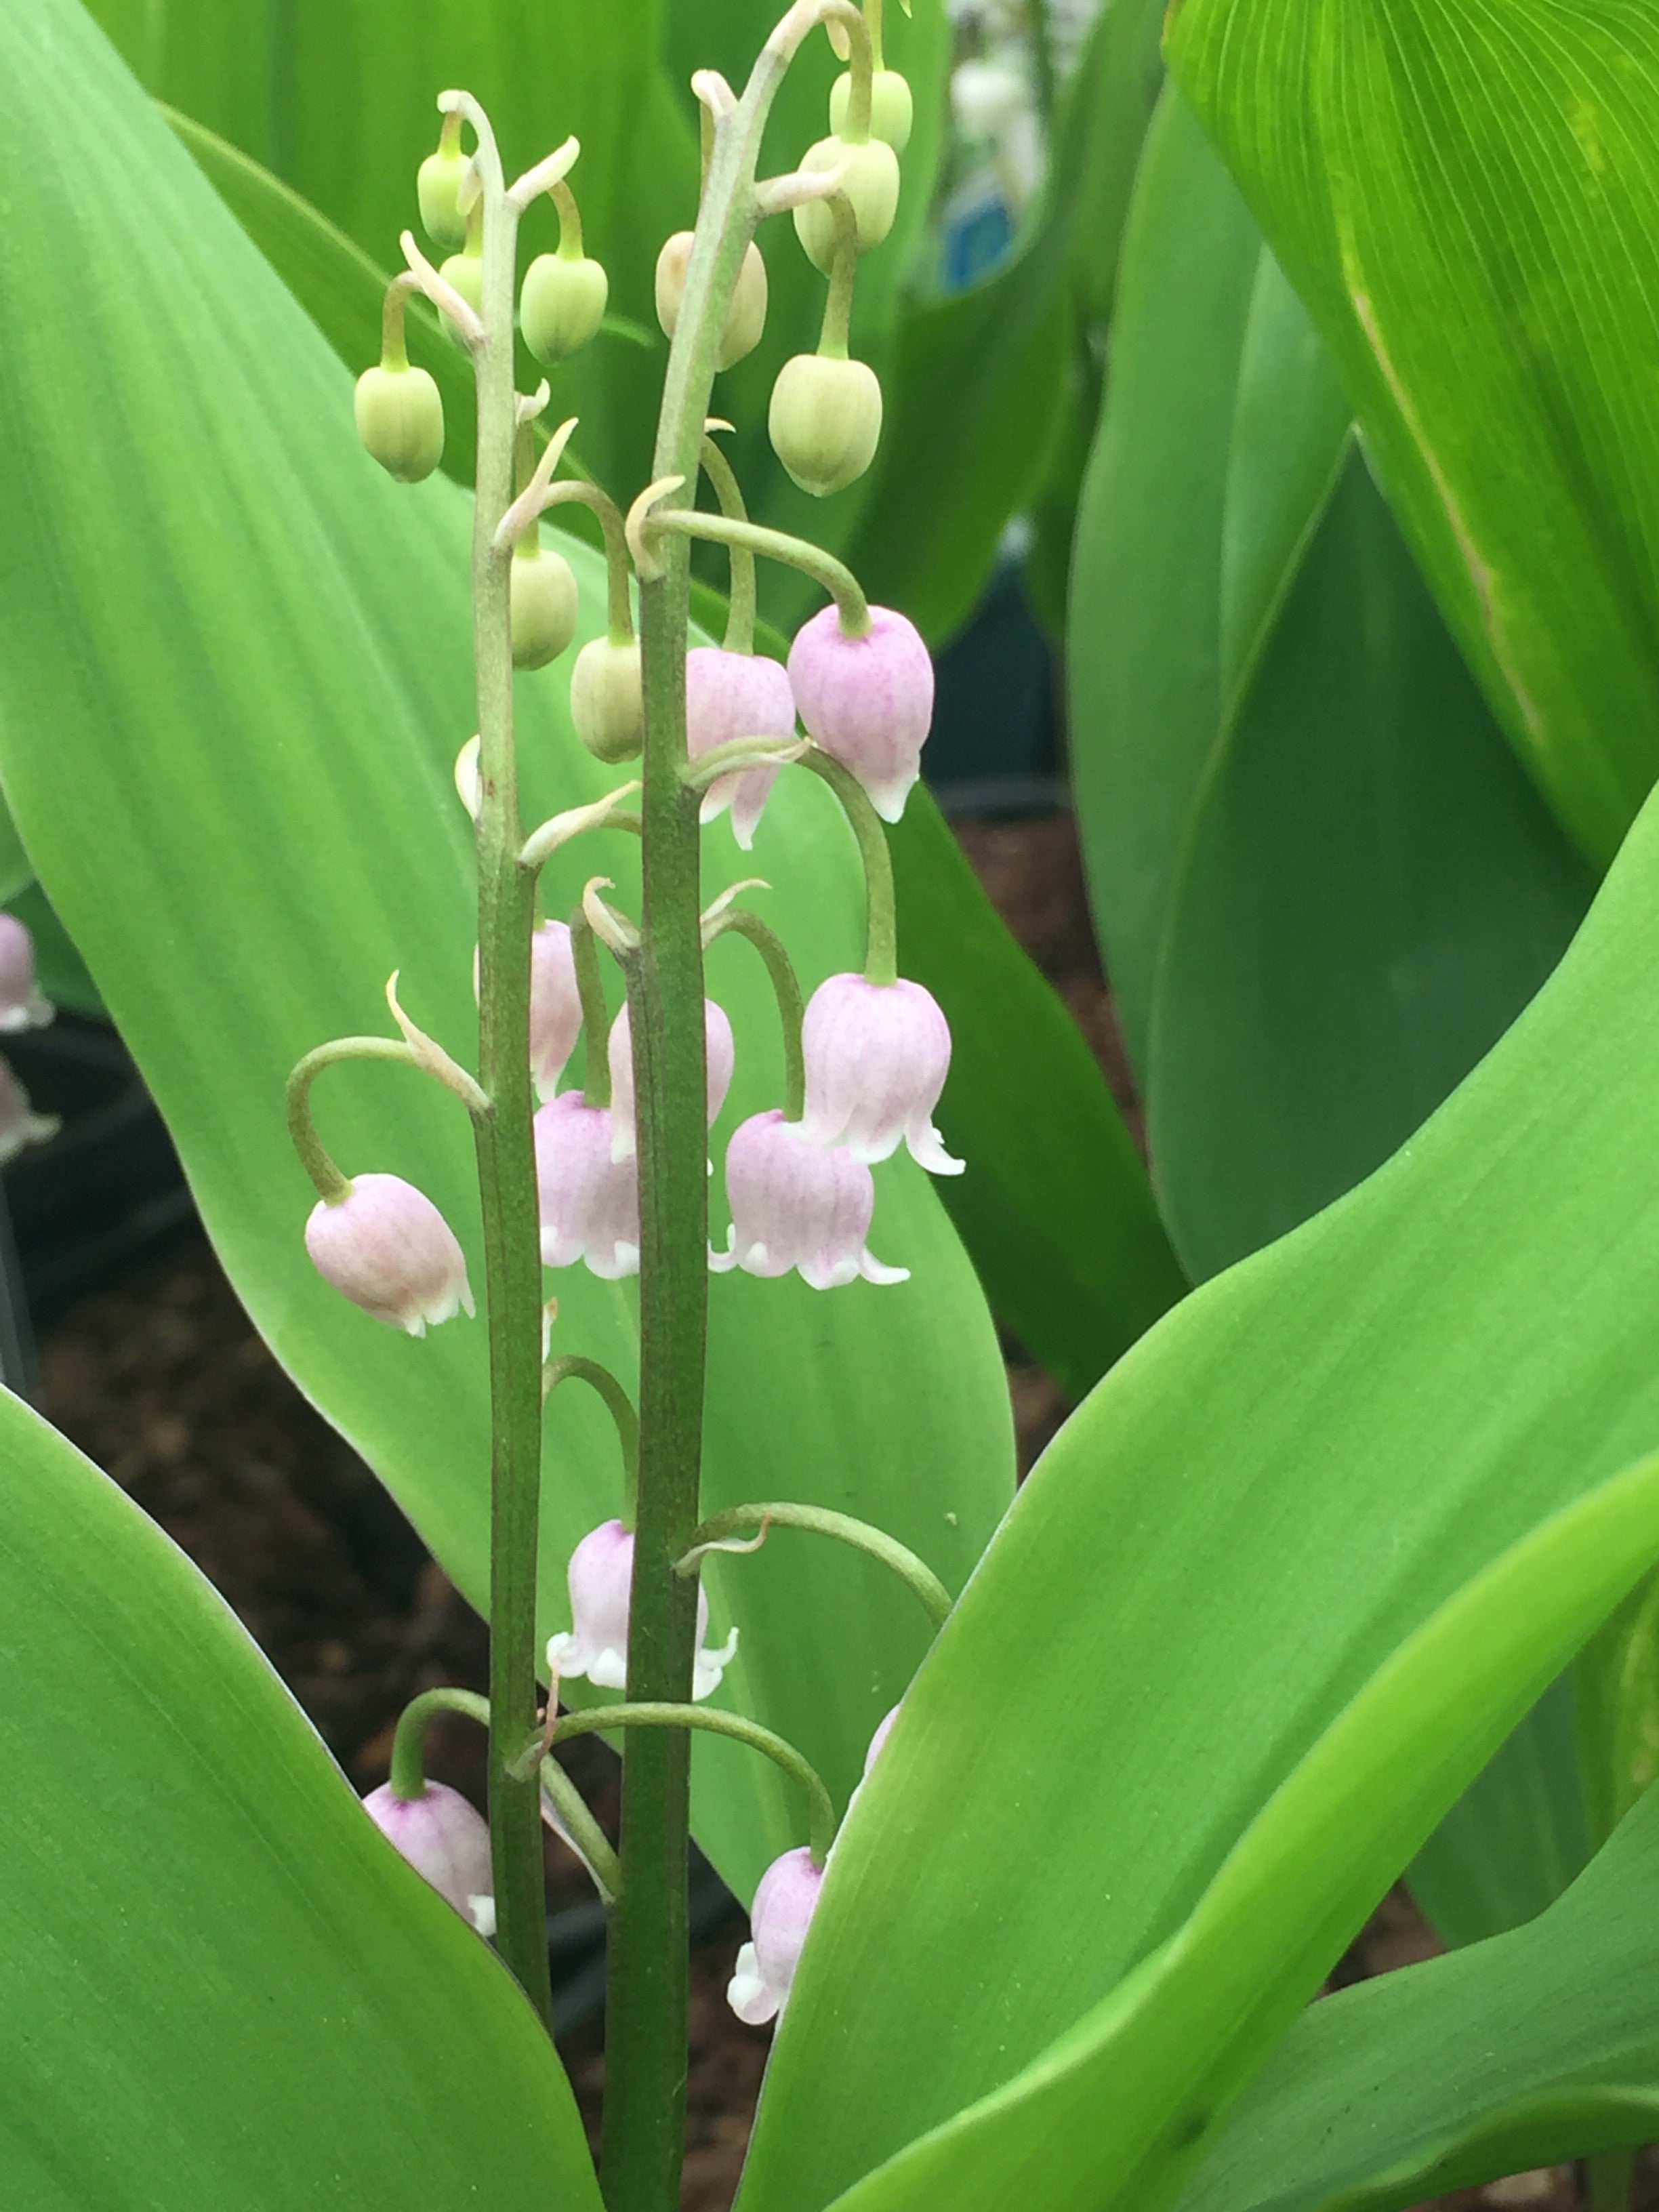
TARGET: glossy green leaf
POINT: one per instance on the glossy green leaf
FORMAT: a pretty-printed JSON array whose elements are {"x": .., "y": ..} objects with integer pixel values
[
  {"x": 1273, "y": 1489},
  {"x": 1369, "y": 893},
  {"x": 255, "y": 670},
  {"x": 1055, "y": 1207},
  {"x": 1464, "y": 198},
  {"x": 978, "y": 406},
  {"x": 222, "y": 1987},
  {"x": 1538, "y": 2047},
  {"x": 1164, "y": 2052}
]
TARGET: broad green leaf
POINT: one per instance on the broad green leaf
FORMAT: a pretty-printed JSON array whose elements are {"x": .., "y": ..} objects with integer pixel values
[
  {"x": 1144, "y": 668},
  {"x": 1165, "y": 2052},
  {"x": 1055, "y": 1208},
  {"x": 1464, "y": 198},
  {"x": 1538, "y": 2047},
  {"x": 1369, "y": 891},
  {"x": 978, "y": 405},
  {"x": 255, "y": 669},
  {"x": 1276, "y": 1488},
  {"x": 222, "y": 1986}
]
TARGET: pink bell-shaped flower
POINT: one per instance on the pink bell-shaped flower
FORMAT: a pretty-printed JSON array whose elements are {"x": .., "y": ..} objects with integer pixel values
[
  {"x": 719, "y": 1053},
  {"x": 866, "y": 701},
  {"x": 388, "y": 1247},
  {"x": 19, "y": 1124},
  {"x": 730, "y": 696},
  {"x": 590, "y": 1204},
  {"x": 601, "y": 1578},
  {"x": 555, "y": 1006},
  {"x": 797, "y": 1204},
  {"x": 21, "y": 1005},
  {"x": 778, "y": 1922},
  {"x": 876, "y": 1055},
  {"x": 444, "y": 1838}
]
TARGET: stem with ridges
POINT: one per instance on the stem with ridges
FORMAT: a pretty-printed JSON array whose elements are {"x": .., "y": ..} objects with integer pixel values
[
  {"x": 507, "y": 1164},
  {"x": 646, "y": 2043}
]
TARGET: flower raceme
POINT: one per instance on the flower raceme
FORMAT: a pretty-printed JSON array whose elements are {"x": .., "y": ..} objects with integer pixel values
[
  {"x": 444, "y": 1840},
  {"x": 589, "y": 1200},
  {"x": 876, "y": 1055},
  {"x": 386, "y": 1246},
  {"x": 600, "y": 1576},
  {"x": 720, "y": 1054},
  {"x": 867, "y": 700},
  {"x": 798, "y": 1204}
]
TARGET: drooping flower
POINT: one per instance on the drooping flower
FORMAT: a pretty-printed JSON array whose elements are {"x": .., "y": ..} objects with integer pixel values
[
  {"x": 555, "y": 1006},
  {"x": 730, "y": 696},
  {"x": 798, "y": 1204},
  {"x": 590, "y": 1203},
  {"x": 778, "y": 1922},
  {"x": 601, "y": 1576},
  {"x": 719, "y": 1052},
  {"x": 21, "y": 1005},
  {"x": 876, "y": 1055},
  {"x": 19, "y": 1124},
  {"x": 867, "y": 700},
  {"x": 389, "y": 1249},
  {"x": 446, "y": 1840}
]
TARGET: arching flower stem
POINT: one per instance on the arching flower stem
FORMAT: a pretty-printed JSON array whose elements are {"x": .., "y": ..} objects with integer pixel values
[
  {"x": 571, "y": 1367},
  {"x": 596, "y": 1015},
  {"x": 408, "y": 1775},
  {"x": 791, "y": 1007},
  {"x": 914, "y": 1572},
  {"x": 332, "y": 1185},
  {"x": 881, "y": 940},
  {"x": 740, "y": 619},
  {"x": 836, "y": 578}
]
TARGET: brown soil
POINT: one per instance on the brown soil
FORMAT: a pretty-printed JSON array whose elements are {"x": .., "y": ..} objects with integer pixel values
[{"x": 162, "y": 1381}]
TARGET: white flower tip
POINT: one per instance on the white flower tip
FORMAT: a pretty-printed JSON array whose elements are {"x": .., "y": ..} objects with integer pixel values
[
  {"x": 928, "y": 1150},
  {"x": 873, "y": 1272},
  {"x": 711, "y": 1663},
  {"x": 747, "y": 1994},
  {"x": 481, "y": 1912},
  {"x": 564, "y": 1659}
]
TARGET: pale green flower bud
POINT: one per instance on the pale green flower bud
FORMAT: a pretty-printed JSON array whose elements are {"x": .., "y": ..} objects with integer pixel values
[
  {"x": 464, "y": 272},
  {"x": 825, "y": 420},
  {"x": 745, "y": 318},
  {"x": 561, "y": 305},
  {"x": 871, "y": 182},
  {"x": 543, "y": 604},
  {"x": 400, "y": 418},
  {"x": 437, "y": 188},
  {"x": 892, "y": 111},
  {"x": 607, "y": 698}
]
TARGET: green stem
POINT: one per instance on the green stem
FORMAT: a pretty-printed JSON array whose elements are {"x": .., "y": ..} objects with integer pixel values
[
  {"x": 835, "y": 331},
  {"x": 1611, "y": 2176},
  {"x": 619, "y": 614},
  {"x": 571, "y": 1368},
  {"x": 915, "y": 1573},
  {"x": 570, "y": 221},
  {"x": 408, "y": 1775},
  {"x": 1042, "y": 60},
  {"x": 881, "y": 942},
  {"x": 507, "y": 1164},
  {"x": 651, "y": 1713},
  {"x": 596, "y": 1015},
  {"x": 836, "y": 578},
  {"x": 330, "y": 1183},
  {"x": 786, "y": 985},
  {"x": 861, "y": 56},
  {"x": 872, "y": 23},
  {"x": 589, "y": 1838},
  {"x": 394, "y": 349},
  {"x": 648, "y": 1977},
  {"x": 741, "y": 615}
]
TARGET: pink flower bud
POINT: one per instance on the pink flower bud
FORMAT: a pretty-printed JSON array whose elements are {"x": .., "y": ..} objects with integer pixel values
[
  {"x": 601, "y": 1578},
  {"x": 719, "y": 1053},
  {"x": 589, "y": 1205},
  {"x": 867, "y": 700},
  {"x": 878, "y": 1741},
  {"x": 730, "y": 696},
  {"x": 444, "y": 1840},
  {"x": 796, "y": 1203},
  {"x": 778, "y": 1922},
  {"x": 876, "y": 1055},
  {"x": 388, "y": 1247},
  {"x": 555, "y": 1006},
  {"x": 19, "y": 1124},
  {"x": 21, "y": 1006}
]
